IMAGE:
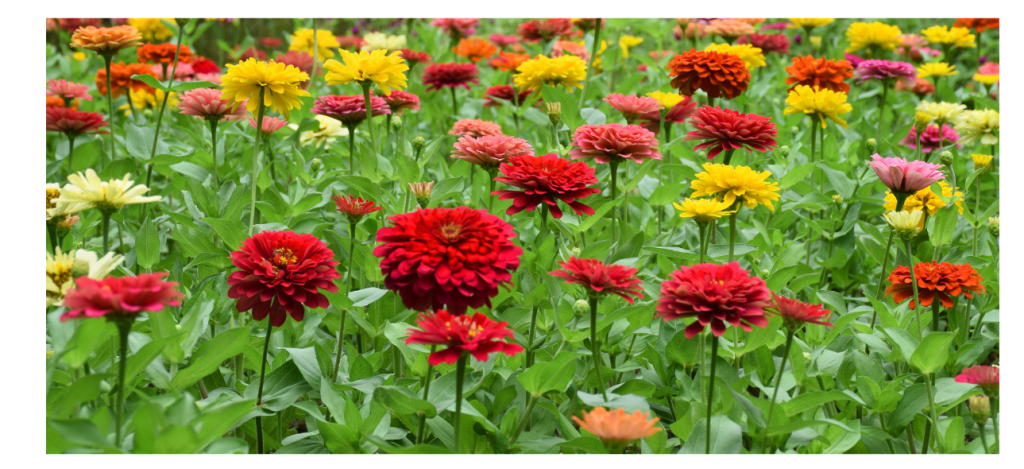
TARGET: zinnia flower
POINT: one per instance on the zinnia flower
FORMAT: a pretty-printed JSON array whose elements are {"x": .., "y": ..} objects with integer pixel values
[
  {"x": 934, "y": 280},
  {"x": 820, "y": 103},
  {"x": 299, "y": 59},
  {"x": 617, "y": 429},
  {"x": 67, "y": 91},
  {"x": 600, "y": 279},
  {"x": 768, "y": 43},
  {"x": 204, "y": 65},
  {"x": 633, "y": 106},
  {"x": 725, "y": 129},
  {"x": 477, "y": 335},
  {"x": 490, "y": 150},
  {"x": 474, "y": 128},
  {"x": 926, "y": 200},
  {"x": 627, "y": 42},
  {"x": 729, "y": 28},
  {"x": 714, "y": 294},
  {"x": 270, "y": 124},
  {"x": 872, "y": 69},
  {"x": 567, "y": 70},
  {"x": 56, "y": 209},
  {"x": 978, "y": 125},
  {"x": 475, "y": 49},
  {"x": 936, "y": 70},
  {"x": 986, "y": 377},
  {"x": 617, "y": 142},
  {"x": 349, "y": 110},
  {"x": 809, "y": 23},
  {"x": 162, "y": 53},
  {"x": 931, "y": 139},
  {"x": 120, "y": 297},
  {"x": 355, "y": 208},
  {"x": 456, "y": 27},
  {"x": 378, "y": 40},
  {"x": 450, "y": 75},
  {"x": 279, "y": 83},
  {"x": 905, "y": 177},
  {"x": 703, "y": 210},
  {"x": 716, "y": 73},
  {"x": 386, "y": 70},
  {"x": 71, "y": 24},
  {"x": 544, "y": 30},
  {"x": 438, "y": 257},
  {"x": 206, "y": 103},
  {"x": 503, "y": 40},
  {"x": 62, "y": 268},
  {"x": 71, "y": 122},
  {"x": 943, "y": 112},
  {"x": 905, "y": 224},
  {"x": 732, "y": 183},
  {"x": 679, "y": 108},
  {"x": 121, "y": 78},
  {"x": 107, "y": 196},
  {"x": 506, "y": 92},
  {"x": 982, "y": 161},
  {"x": 152, "y": 29},
  {"x": 414, "y": 57},
  {"x": 956, "y": 37},
  {"x": 875, "y": 35},
  {"x": 105, "y": 41},
  {"x": 823, "y": 73},
  {"x": 796, "y": 313},
  {"x": 508, "y": 61},
  {"x": 330, "y": 129},
  {"x": 399, "y": 101},
  {"x": 303, "y": 41},
  {"x": 546, "y": 179},
  {"x": 278, "y": 272},
  {"x": 979, "y": 24},
  {"x": 750, "y": 55}
]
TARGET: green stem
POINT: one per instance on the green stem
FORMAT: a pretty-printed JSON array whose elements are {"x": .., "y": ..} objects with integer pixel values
[
  {"x": 259, "y": 394},
  {"x": 106, "y": 231},
  {"x": 934, "y": 414},
  {"x": 460, "y": 375},
  {"x": 455, "y": 104},
  {"x": 341, "y": 341},
  {"x": 935, "y": 315},
  {"x": 369, "y": 115},
  {"x": 594, "y": 349},
  {"x": 984, "y": 441},
  {"x": 110, "y": 104},
  {"x": 123, "y": 328},
  {"x": 51, "y": 232},
  {"x": 913, "y": 281},
  {"x": 533, "y": 332},
  {"x": 426, "y": 394},
  {"x": 590, "y": 62},
  {"x": 525, "y": 418},
  {"x": 732, "y": 234},
  {"x": 71, "y": 151},
  {"x": 614, "y": 166},
  {"x": 352, "y": 150},
  {"x": 351, "y": 256},
  {"x": 255, "y": 159},
  {"x": 711, "y": 394},
  {"x": 702, "y": 230},
  {"x": 881, "y": 110},
  {"x": 775, "y": 393},
  {"x": 977, "y": 223},
  {"x": 213, "y": 136},
  {"x": 885, "y": 264}
]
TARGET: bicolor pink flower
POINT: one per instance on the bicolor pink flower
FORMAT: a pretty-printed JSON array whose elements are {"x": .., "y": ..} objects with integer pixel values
[
  {"x": 270, "y": 124},
  {"x": 70, "y": 90},
  {"x": 900, "y": 175}
]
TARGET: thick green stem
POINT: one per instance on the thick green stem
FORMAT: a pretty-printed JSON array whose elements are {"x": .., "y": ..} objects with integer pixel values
[
  {"x": 426, "y": 394},
  {"x": 590, "y": 62},
  {"x": 595, "y": 351},
  {"x": 913, "y": 281},
  {"x": 255, "y": 159},
  {"x": 732, "y": 234},
  {"x": 106, "y": 231},
  {"x": 984, "y": 441},
  {"x": 460, "y": 376},
  {"x": 934, "y": 414},
  {"x": 775, "y": 393},
  {"x": 533, "y": 333},
  {"x": 259, "y": 394},
  {"x": 711, "y": 394},
  {"x": 614, "y": 166},
  {"x": 702, "y": 230},
  {"x": 935, "y": 315},
  {"x": 71, "y": 151},
  {"x": 455, "y": 104},
  {"x": 525, "y": 418},
  {"x": 110, "y": 105},
  {"x": 352, "y": 151},
  {"x": 341, "y": 341},
  {"x": 123, "y": 328},
  {"x": 369, "y": 115},
  {"x": 213, "y": 138}
]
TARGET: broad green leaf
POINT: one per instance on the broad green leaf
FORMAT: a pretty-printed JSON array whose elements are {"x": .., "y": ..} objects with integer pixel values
[
  {"x": 932, "y": 354},
  {"x": 211, "y": 354}
]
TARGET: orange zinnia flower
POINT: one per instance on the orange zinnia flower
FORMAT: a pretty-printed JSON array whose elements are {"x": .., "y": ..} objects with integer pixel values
[
  {"x": 824, "y": 73},
  {"x": 716, "y": 73},
  {"x": 106, "y": 41},
  {"x": 475, "y": 49},
  {"x": 942, "y": 280},
  {"x": 979, "y": 24},
  {"x": 163, "y": 53},
  {"x": 617, "y": 428},
  {"x": 508, "y": 61},
  {"x": 121, "y": 78}
]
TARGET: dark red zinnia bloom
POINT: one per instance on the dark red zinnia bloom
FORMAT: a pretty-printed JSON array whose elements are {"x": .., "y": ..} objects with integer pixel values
[
  {"x": 70, "y": 121},
  {"x": 279, "y": 271},
  {"x": 795, "y": 312},
  {"x": 454, "y": 257},
  {"x": 546, "y": 179},
  {"x": 725, "y": 129},
  {"x": 507, "y": 93},
  {"x": 450, "y": 75},
  {"x": 600, "y": 279},
  {"x": 119, "y": 297},
  {"x": 204, "y": 65},
  {"x": 768, "y": 43},
  {"x": 986, "y": 377},
  {"x": 354, "y": 208},
  {"x": 942, "y": 280},
  {"x": 349, "y": 110},
  {"x": 714, "y": 294},
  {"x": 415, "y": 57},
  {"x": 545, "y": 30},
  {"x": 477, "y": 335},
  {"x": 402, "y": 100},
  {"x": 677, "y": 115}
]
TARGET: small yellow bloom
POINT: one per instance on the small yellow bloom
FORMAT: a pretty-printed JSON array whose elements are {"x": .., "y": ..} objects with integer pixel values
[
  {"x": 152, "y": 29},
  {"x": 378, "y": 40},
  {"x": 822, "y": 103},
  {"x": 147, "y": 102},
  {"x": 986, "y": 79},
  {"x": 80, "y": 56},
  {"x": 329, "y": 131},
  {"x": 982, "y": 161},
  {"x": 302, "y": 41},
  {"x": 906, "y": 224},
  {"x": 386, "y": 70},
  {"x": 936, "y": 69},
  {"x": 921, "y": 121},
  {"x": 978, "y": 125},
  {"x": 62, "y": 269},
  {"x": 958, "y": 37},
  {"x": 107, "y": 196},
  {"x": 732, "y": 183},
  {"x": 809, "y": 23},
  {"x": 567, "y": 70},
  {"x": 703, "y": 210},
  {"x": 279, "y": 82},
  {"x": 750, "y": 55},
  {"x": 628, "y": 42},
  {"x": 872, "y": 35},
  {"x": 927, "y": 200},
  {"x": 668, "y": 100}
]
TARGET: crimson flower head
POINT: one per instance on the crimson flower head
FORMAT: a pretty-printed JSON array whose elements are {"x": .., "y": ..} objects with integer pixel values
[
  {"x": 545, "y": 30},
  {"x": 600, "y": 279},
  {"x": 633, "y": 106},
  {"x": 354, "y": 208},
  {"x": 454, "y": 257},
  {"x": 546, "y": 179},
  {"x": 119, "y": 297},
  {"x": 204, "y": 65},
  {"x": 490, "y": 150},
  {"x": 795, "y": 312},
  {"x": 349, "y": 110},
  {"x": 414, "y": 57},
  {"x": 450, "y": 75},
  {"x": 714, "y": 294},
  {"x": 506, "y": 92},
  {"x": 986, "y": 377},
  {"x": 401, "y": 100},
  {"x": 278, "y": 272},
  {"x": 477, "y": 335},
  {"x": 608, "y": 142},
  {"x": 725, "y": 129},
  {"x": 942, "y": 280},
  {"x": 72, "y": 122}
]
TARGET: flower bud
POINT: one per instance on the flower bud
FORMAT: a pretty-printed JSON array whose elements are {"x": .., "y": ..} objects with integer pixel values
[
  {"x": 418, "y": 143},
  {"x": 794, "y": 130},
  {"x": 872, "y": 145},
  {"x": 982, "y": 161},
  {"x": 765, "y": 272},
  {"x": 921, "y": 121},
  {"x": 576, "y": 251},
  {"x": 182, "y": 21},
  {"x": 946, "y": 157},
  {"x": 784, "y": 151},
  {"x": 68, "y": 221},
  {"x": 837, "y": 199},
  {"x": 49, "y": 353},
  {"x": 702, "y": 155},
  {"x": 315, "y": 165},
  {"x": 816, "y": 41},
  {"x": 580, "y": 308},
  {"x": 993, "y": 226},
  {"x": 554, "y": 112},
  {"x": 981, "y": 410},
  {"x": 807, "y": 356},
  {"x": 422, "y": 190},
  {"x": 396, "y": 123},
  {"x": 906, "y": 224}
]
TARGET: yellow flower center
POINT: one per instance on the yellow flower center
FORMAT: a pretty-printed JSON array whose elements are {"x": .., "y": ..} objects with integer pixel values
[
  {"x": 283, "y": 257},
  {"x": 50, "y": 195},
  {"x": 60, "y": 275}
]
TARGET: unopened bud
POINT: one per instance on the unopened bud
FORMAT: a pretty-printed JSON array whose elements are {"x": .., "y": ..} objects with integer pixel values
[
  {"x": 182, "y": 21},
  {"x": 396, "y": 123},
  {"x": 418, "y": 143},
  {"x": 981, "y": 410},
  {"x": 68, "y": 221},
  {"x": 946, "y": 157},
  {"x": 784, "y": 151},
  {"x": 701, "y": 155},
  {"x": 807, "y": 356},
  {"x": 422, "y": 190},
  {"x": 794, "y": 130},
  {"x": 993, "y": 226},
  {"x": 581, "y": 308},
  {"x": 576, "y": 251},
  {"x": 315, "y": 165},
  {"x": 872, "y": 145},
  {"x": 765, "y": 272},
  {"x": 49, "y": 353},
  {"x": 554, "y": 112},
  {"x": 837, "y": 199},
  {"x": 921, "y": 121}
]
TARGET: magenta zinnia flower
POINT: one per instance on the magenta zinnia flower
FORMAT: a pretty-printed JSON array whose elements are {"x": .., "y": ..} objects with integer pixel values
[
  {"x": 632, "y": 106},
  {"x": 207, "y": 104},
  {"x": 725, "y": 129},
  {"x": 349, "y": 110},
  {"x": 714, "y": 294},
  {"x": 875, "y": 69},
  {"x": 986, "y": 377},
  {"x": 457, "y": 27},
  {"x": 270, "y": 124},
  {"x": 930, "y": 138},
  {"x": 474, "y": 128},
  {"x": 608, "y": 141},
  {"x": 402, "y": 100},
  {"x": 900, "y": 175},
  {"x": 69, "y": 90},
  {"x": 490, "y": 150},
  {"x": 502, "y": 40}
]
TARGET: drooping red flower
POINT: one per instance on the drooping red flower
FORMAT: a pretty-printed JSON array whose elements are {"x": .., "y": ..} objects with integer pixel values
[
  {"x": 450, "y": 75},
  {"x": 768, "y": 43},
  {"x": 438, "y": 257},
  {"x": 620, "y": 142},
  {"x": 119, "y": 297},
  {"x": 474, "y": 128},
  {"x": 545, "y": 30},
  {"x": 400, "y": 100},
  {"x": 600, "y": 279},
  {"x": 676, "y": 115},
  {"x": 795, "y": 312},
  {"x": 714, "y": 294},
  {"x": 477, "y": 335},
  {"x": 507, "y": 93},
  {"x": 942, "y": 280},
  {"x": 415, "y": 57},
  {"x": 349, "y": 110},
  {"x": 204, "y": 65},
  {"x": 70, "y": 121},
  {"x": 279, "y": 271},
  {"x": 162, "y": 53},
  {"x": 546, "y": 179},
  {"x": 716, "y": 73},
  {"x": 986, "y": 377},
  {"x": 725, "y": 129},
  {"x": 354, "y": 208},
  {"x": 121, "y": 78},
  {"x": 633, "y": 106},
  {"x": 823, "y": 72},
  {"x": 490, "y": 150}
]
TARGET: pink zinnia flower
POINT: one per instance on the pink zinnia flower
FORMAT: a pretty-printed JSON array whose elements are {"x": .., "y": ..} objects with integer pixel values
[
  {"x": 207, "y": 104},
  {"x": 72, "y": 122},
  {"x": 300, "y": 60},
  {"x": 780, "y": 26},
  {"x": 633, "y": 106},
  {"x": 930, "y": 138},
  {"x": 608, "y": 141},
  {"x": 490, "y": 150},
  {"x": 503, "y": 40},
  {"x": 349, "y": 110},
  {"x": 876, "y": 69},
  {"x": 270, "y": 124},
  {"x": 725, "y": 129},
  {"x": 474, "y": 128},
  {"x": 69, "y": 90},
  {"x": 714, "y": 294},
  {"x": 853, "y": 59},
  {"x": 900, "y": 175},
  {"x": 457, "y": 27},
  {"x": 768, "y": 43},
  {"x": 990, "y": 68},
  {"x": 677, "y": 115},
  {"x": 986, "y": 377},
  {"x": 213, "y": 78},
  {"x": 184, "y": 72},
  {"x": 402, "y": 100},
  {"x": 120, "y": 297}
]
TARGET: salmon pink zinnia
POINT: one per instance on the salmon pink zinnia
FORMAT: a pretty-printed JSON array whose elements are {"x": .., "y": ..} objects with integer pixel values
[
  {"x": 620, "y": 142},
  {"x": 490, "y": 150},
  {"x": 207, "y": 104},
  {"x": 632, "y": 106},
  {"x": 474, "y": 128},
  {"x": 120, "y": 297}
]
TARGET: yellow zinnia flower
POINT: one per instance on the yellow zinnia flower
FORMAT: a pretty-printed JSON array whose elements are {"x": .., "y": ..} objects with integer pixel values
[
  {"x": 927, "y": 199},
  {"x": 750, "y": 55},
  {"x": 979, "y": 124},
  {"x": 732, "y": 183},
  {"x": 279, "y": 82},
  {"x": 152, "y": 29},
  {"x": 628, "y": 42},
  {"x": 107, "y": 196},
  {"x": 62, "y": 269},
  {"x": 369, "y": 66},
  {"x": 666, "y": 99},
  {"x": 377, "y": 40},
  {"x": 147, "y": 102},
  {"x": 936, "y": 69},
  {"x": 982, "y": 161},
  {"x": 302, "y": 41},
  {"x": 942, "y": 112},
  {"x": 868, "y": 35},
  {"x": 703, "y": 210},
  {"x": 567, "y": 70},
  {"x": 959, "y": 37},
  {"x": 986, "y": 79},
  {"x": 822, "y": 103},
  {"x": 809, "y": 23},
  {"x": 329, "y": 131}
]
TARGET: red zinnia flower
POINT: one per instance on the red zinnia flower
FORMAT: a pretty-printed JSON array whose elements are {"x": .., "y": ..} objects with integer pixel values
[
  {"x": 986, "y": 377},
  {"x": 942, "y": 280},
  {"x": 490, "y": 150},
  {"x": 271, "y": 42},
  {"x": 401, "y": 100},
  {"x": 119, "y": 297},
  {"x": 477, "y": 335},
  {"x": 279, "y": 271},
  {"x": 979, "y": 24},
  {"x": 450, "y": 75},
  {"x": 608, "y": 141},
  {"x": 474, "y": 128},
  {"x": 121, "y": 78},
  {"x": 437, "y": 257},
  {"x": 677, "y": 115},
  {"x": 457, "y": 27},
  {"x": 204, "y": 65},
  {"x": 354, "y": 208},
  {"x": 768, "y": 43},
  {"x": 600, "y": 279},
  {"x": 349, "y": 110},
  {"x": 507, "y": 93},
  {"x": 824, "y": 73},
  {"x": 714, "y": 294},
  {"x": 414, "y": 57},
  {"x": 546, "y": 179},
  {"x": 716, "y": 73},
  {"x": 545, "y": 30},
  {"x": 70, "y": 121},
  {"x": 725, "y": 129},
  {"x": 162, "y": 53},
  {"x": 796, "y": 312}
]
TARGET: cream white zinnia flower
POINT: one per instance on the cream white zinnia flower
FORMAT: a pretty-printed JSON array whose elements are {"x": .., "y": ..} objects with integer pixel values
[
  {"x": 978, "y": 125},
  {"x": 906, "y": 224},
  {"x": 107, "y": 196},
  {"x": 378, "y": 40},
  {"x": 56, "y": 209},
  {"x": 945, "y": 113},
  {"x": 330, "y": 129},
  {"x": 63, "y": 268}
]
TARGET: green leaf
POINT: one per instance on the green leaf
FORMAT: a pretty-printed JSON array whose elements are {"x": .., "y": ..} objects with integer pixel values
[
  {"x": 401, "y": 401},
  {"x": 280, "y": 388},
  {"x": 211, "y": 354},
  {"x": 232, "y": 232},
  {"x": 553, "y": 375},
  {"x": 932, "y": 354},
  {"x": 366, "y": 296},
  {"x": 726, "y": 437},
  {"x": 151, "y": 81},
  {"x": 942, "y": 225},
  {"x": 191, "y": 85},
  {"x": 796, "y": 174},
  {"x": 147, "y": 245},
  {"x": 443, "y": 189}
]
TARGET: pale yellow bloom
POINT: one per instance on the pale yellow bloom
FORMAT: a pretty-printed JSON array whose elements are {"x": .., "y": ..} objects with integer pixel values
[
  {"x": 816, "y": 41},
  {"x": 750, "y": 55},
  {"x": 936, "y": 69},
  {"x": 978, "y": 125},
  {"x": 809, "y": 23},
  {"x": 906, "y": 224},
  {"x": 958, "y": 37},
  {"x": 330, "y": 130},
  {"x": 62, "y": 268},
  {"x": 821, "y": 103},
  {"x": 942, "y": 112},
  {"x": 628, "y": 42},
  {"x": 732, "y": 183},
  {"x": 378, "y": 40},
  {"x": 107, "y": 196},
  {"x": 921, "y": 120},
  {"x": 56, "y": 209},
  {"x": 302, "y": 41},
  {"x": 876, "y": 35},
  {"x": 386, "y": 70},
  {"x": 703, "y": 210},
  {"x": 666, "y": 99}
]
